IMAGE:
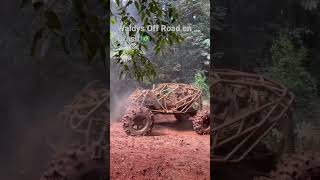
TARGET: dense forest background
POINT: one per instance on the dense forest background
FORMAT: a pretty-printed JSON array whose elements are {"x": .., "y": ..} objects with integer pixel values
[
  {"x": 276, "y": 38},
  {"x": 33, "y": 90},
  {"x": 279, "y": 39},
  {"x": 185, "y": 61}
]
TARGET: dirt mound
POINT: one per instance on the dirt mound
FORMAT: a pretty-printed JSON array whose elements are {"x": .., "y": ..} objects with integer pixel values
[{"x": 169, "y": 152}]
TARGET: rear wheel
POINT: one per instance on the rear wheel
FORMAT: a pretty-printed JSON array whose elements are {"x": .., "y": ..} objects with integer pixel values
[
  {"x": 201, "y": 122},
  {"x": 138, "y": 121}
]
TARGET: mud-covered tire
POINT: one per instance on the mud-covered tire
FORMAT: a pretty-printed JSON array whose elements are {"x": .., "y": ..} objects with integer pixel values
[
  {"x": 78, "y": 163},
  {"x": 129, "y": 119},
  {"x": 301, "y": 166},
  {"x": 201, "y": 122}
]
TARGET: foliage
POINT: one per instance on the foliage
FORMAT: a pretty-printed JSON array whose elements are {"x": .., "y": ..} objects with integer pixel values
[
  {"x": 198, "y": 18},
  {"x": 296, "y": 35},
  {"x": 288, "y": 60},
  {"x": 74, "y": 22},
  {"x": 151, "y": 13},
  {"x": 181, "y": 61},
  {"x": 295, "y": 54},
  {"x": 307, "y": 136},
  {"x": 288, "y": 68},
  {"x": 200, "y": 81},
  {"x": 84, "y": 23}
]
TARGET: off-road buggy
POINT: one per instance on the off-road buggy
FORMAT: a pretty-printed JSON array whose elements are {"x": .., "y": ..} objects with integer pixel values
[
  {"x": 184, "y": 101},
  {"x": 245, "y": 108}
]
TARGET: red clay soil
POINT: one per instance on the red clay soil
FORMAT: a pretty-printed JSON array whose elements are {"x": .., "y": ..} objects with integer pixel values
[{"x": 172, "y": 151}]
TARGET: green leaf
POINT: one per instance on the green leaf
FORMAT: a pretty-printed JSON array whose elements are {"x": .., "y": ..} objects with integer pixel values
[
  {"x": 126, "y": 67},
  {"x": 129, "y": 2},
  {"x": 148, "y": 13},
  {"x": 133, "y": 19},
  {"x": 145, "y": 46},
  {"x": 162, "y": 42},
  {"x": 170, "y": 41},
  {"x": 137, "y": 5},
  {"x": 143, "y": 15},
  {"x": 124, "y": 18},
  {"x": 132, "y": 33},
  {"x": 146, "y": 22},
  {"x": 53, "y": 21},
  {"x": 113, "y": 20},
  {"x": 171, "y": 11},
  {"x": 36, "y": 38},
  {"x": 157, "y": 50},
  {"x": 206, "y": 42},
  {"x": 118, "y": 2}
]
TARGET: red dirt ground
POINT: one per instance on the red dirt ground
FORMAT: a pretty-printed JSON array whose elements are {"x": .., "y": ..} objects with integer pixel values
[{"x": 172, "y": 151}]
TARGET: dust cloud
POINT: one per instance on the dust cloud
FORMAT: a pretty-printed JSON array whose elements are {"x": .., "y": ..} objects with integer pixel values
[{"x": 120, "y": 90}]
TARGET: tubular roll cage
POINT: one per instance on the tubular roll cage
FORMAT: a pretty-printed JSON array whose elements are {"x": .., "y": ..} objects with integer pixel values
[
  {"x": 239, "y": 132},
  {"x": 164, "y": 95}
]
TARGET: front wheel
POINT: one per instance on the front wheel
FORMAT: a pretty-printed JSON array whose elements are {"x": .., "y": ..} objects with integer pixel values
[
  {"x": 201, "y": 122},
  {"x": 138, "y": 121}
]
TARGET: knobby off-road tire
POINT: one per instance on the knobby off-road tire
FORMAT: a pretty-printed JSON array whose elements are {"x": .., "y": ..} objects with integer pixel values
[
  {"x": 201, "y": 122},
  {"x": 133, "y": 116},
  {"x": 78, "y": 163},
  {"x": 301, "y": 166}
]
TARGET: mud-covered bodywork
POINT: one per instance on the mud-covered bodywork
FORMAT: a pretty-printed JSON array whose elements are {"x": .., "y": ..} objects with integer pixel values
[
  {"x": 182, "y": 100},
  {"x": 168, "y": 98},
  {"x": 245, "y": 108}
]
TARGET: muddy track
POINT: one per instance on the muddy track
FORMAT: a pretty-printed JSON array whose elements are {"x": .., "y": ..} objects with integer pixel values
[{"x": 172, "y": 151}]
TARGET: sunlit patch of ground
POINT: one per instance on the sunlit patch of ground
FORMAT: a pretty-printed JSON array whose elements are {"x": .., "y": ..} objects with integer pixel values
[{"x": 172, "y": 151}]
